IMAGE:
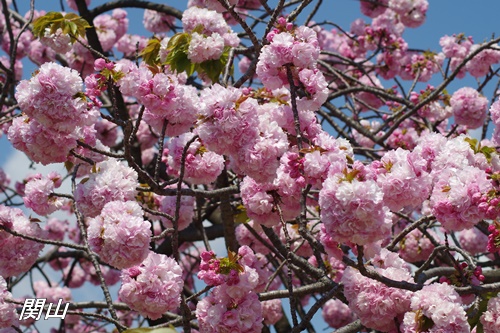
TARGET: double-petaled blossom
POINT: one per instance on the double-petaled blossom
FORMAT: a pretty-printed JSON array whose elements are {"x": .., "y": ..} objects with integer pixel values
[
  {"x": 38, "y": 194},
  {"x": 157, "y": 22},
  {"x": 456, "y": 197},
  {"x": 55, "y": 114},
  {"x": 469, "y": 107},
  {"x": 152, "y": 287},
  {"x": 8, "y": 314},
  {"x": 353, "y": 210},
  {"x": 491, "y": 317},
  {"x": 51, "y": 97},
  {"x": 233, "y": 305},
  {"x": 377, "y": 305},
  {"x": 23, "y": 250},
  {"x": 211, "y": 23},
  {"x": 168, "y": 205},
  {"x": 480, "y": 65},
  {"x": 411, "y": 12},
  {"x": 437, "y": 306},
  {"x": 337, "y": 314},
  {"x": 119, "y": 234},
  {"x": 201, "y": 166},
  {"x": 165, "y": 96},
  {"x": 110, "y": 180}
]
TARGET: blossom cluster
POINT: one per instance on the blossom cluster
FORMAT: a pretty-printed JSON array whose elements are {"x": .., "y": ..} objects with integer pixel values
[
  {"x": 374, "y": 303},
  {"x": 440, "y": 305},
  {"x": 233, "y": 304},
  {"x": 319, "y": 167},
  {"x": 165, "y": 96},
  {"x": 215, "y": 34},
  {"x": 111, "y": 180},
  {"x": 8, "y": 315},
  {"x": 119, "y": 234},
  {"x": 296, "y": 48},
  {"x": 152, "y": 287},
  {"x": 23, "y": 250},
  {"x": 38, "y": 194},
  {"x": 54, "y": 114}
]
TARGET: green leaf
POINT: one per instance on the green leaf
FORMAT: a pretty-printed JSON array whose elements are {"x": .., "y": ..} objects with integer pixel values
[
  {"x": 70, "y": 24},
  {"x": 81, "y": 95},
  {"x": 177, "y": 57},
  {"x": 179, "y": 61},
  {"x": 179, "y": 41},
  {"x": 68, "y": 166},
  {"x": 151, "y": 52},
  {"x": 214, "y": 68},
  {"x": 423, "y": 323},
  {"x": 230, "y": 263},
  {"x": 487, "y": 152},
  {"x": 477, "y": 148},
  {"x": 241, "y": 214},
  {"x": 472, "y": 143},
  {"x": 198, "y": 29},
  {"x": 84, "y": 180},
  {"x": 43, "y": 22},
  {"x": 117, "y": 76}
]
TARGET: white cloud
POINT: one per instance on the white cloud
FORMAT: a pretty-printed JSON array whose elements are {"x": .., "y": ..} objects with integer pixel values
[{"x": 18, "y": 166}]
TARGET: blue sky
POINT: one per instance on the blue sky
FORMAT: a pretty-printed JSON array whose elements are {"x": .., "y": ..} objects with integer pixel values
[{"x": 444, "y": 17}]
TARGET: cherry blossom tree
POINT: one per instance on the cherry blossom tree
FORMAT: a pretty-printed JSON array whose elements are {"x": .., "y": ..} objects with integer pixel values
[{"x": 240, "y": 166}]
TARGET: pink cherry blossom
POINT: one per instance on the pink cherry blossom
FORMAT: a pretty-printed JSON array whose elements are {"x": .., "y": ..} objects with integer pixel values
[
  {"x": 455, "y": 198},
  {"x": 490, "y": 318},
  {"x": 403, "y": 182},
  {"x": 110, "y": 28},
  {"x": 152, "y": 287},
  {"x": 157, "y": 22},
  {"x": 377, "y": 305},
  {"x": 354, "y": 210},
  {"x": 211, "y": 21},
  {"x": 228, "y": 121},
  {"x": 165, "y": 97},
  {"x": 469, "y": 107},
  {"x": 203, "y": 48},
  {"x": 8, "y": 314},
  {"x": 111, "y": 180},
  {"x": 217, "y": 313},
  {"x": 473, "y": 240},
  {"x": 272, "y": 311},
  {"x": 480, "y": 65},
  {"x": 415, "y": 247},
  {"x": 119, "y": 234},
  {"x": 38, "y": 195},
  {"x": 412, "y": 12},
  {"x": 201, "y": 166},
  {"x": 186, "y": 210},
  {"x": 337, "y": 314},
  {"x": 25, "y": 251},
  {"x": 373, "y": 9},
  {"x": 39, "y": 143},
  {"x": 58, "y": 41},
  {"x": 50, "y": 97},
  {"x": 440, "y": 304}
]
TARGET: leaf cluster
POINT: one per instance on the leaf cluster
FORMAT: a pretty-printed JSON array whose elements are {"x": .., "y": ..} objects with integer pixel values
[
  {"x": 478, "y": 149},
  {"x": 70, "y": 24},
  {"x": 177, "y": 57}
]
